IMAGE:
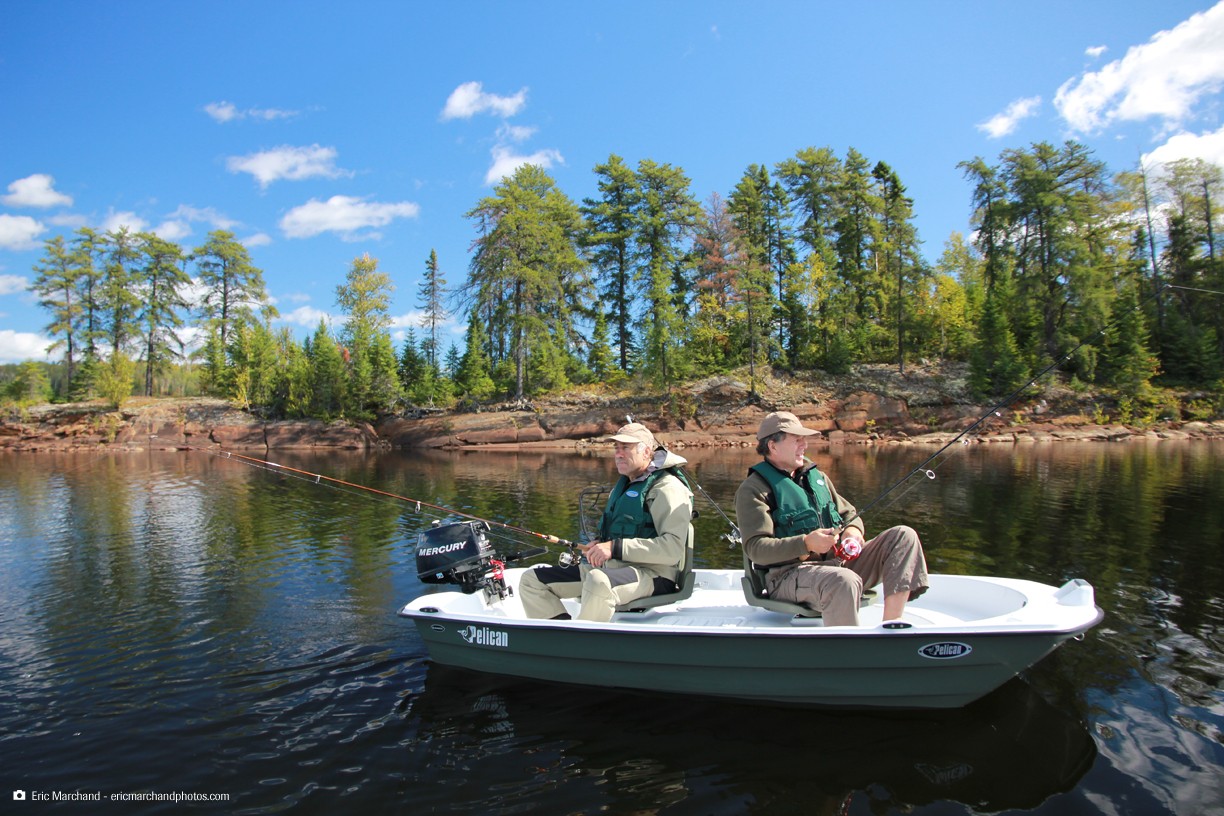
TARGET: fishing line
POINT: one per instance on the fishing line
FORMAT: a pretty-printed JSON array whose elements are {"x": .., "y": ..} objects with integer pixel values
[
  {"x": 356, "y": 489},
  {"x": 995, "y": 409}
]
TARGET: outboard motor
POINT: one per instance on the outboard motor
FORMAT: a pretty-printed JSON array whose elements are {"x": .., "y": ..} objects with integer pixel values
[{"x": 457, "y": 553}]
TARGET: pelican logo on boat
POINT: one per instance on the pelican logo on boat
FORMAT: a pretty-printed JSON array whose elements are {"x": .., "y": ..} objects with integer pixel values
[
  {"x": 441, "y": 549},
  {"x": 945, "y": 774},
  {"x": 484, "y": 636},
  {"x": 945, "y": 651}
]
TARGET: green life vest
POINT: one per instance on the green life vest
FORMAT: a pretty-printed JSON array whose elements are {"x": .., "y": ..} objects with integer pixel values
[
  {"x": 797, "y": 511},
  {"x": 625, "y": 515}
]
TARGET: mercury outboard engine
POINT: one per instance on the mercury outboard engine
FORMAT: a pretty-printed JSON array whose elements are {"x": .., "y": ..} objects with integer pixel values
[
  {"x": 460, "y": 553},
  {"x": 457, "y": 553}
]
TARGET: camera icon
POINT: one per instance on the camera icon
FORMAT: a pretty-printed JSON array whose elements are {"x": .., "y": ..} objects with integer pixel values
[{"x": 19, "y": 796}]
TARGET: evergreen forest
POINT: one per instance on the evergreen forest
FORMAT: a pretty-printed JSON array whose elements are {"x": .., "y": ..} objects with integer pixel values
[{"x": 811, "y": 264}]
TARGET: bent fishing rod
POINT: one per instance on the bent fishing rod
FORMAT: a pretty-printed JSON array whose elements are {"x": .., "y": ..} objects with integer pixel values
[
  {"x": 1008, "y": 400},
  {"x": 319, "y": 478}
]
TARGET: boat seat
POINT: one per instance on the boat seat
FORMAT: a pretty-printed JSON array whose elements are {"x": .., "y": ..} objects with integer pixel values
[
  {"x": 756, "y": 594},
  {"x": 684, "y": 584}
]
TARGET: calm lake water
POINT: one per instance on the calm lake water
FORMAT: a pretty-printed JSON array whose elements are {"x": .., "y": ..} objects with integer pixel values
[{"x": 180, "y": 622}]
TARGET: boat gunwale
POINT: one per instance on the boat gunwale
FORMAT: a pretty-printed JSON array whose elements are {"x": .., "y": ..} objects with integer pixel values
[{"x": 651, "y": 623}]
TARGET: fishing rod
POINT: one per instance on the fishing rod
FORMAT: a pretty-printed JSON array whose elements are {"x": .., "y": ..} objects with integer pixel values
[
  {"x": 999, "y": 406},
  {"x": 319, "y": 478},
  {"x": 732, "y": 538}
]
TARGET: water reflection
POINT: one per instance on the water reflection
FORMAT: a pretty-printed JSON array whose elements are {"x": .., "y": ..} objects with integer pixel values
[{"x": 626, "y": 754}]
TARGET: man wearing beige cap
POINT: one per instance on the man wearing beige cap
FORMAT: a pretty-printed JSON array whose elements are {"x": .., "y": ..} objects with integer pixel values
[
  {"x": 643, "y": 537},
  {"x": 791, "y": 520}
]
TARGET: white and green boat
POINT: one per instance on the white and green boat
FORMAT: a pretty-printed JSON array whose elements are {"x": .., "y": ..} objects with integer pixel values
[{"x": 718, "y": 637}]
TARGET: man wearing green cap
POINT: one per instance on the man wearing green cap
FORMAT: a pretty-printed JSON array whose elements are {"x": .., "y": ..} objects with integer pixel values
[
  {"x": 643, "y": 537},
  {"x": 791, "y": 519}
]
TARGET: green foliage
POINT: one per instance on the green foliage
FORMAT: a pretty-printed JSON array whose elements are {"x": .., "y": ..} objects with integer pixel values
[
  {"x": 1125, "y": 362},
  {"x": 30, "y": 386},
  {"x": 995, "y": 365},
  {"x": 599, "y": 359},
  {"x": 328, "y": 381},
  {"x": 839, "y": 355},
  {"x": 113, "y": 380}
]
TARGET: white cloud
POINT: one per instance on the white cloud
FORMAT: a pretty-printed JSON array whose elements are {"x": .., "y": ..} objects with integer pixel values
[
  {"x": 206, "y": 215},
  {"x": 410, "y": 320},
  {"x": 116, "y": 221},
  {"x": 1005, "y": 123},
  {"x": 13, "y": 284},
  {"x": 506, "y": 161},
  {"x": 1163, "y": 78},
  {"x": 1206, "y": 146},
  {"x": 307, "y": 317},
  {"x": 37, "y": 190},
  {"x": 227, "y": 112},
  {"x": 286, "y": 162},
  {"x": 345, "y": 215},
  {"x": 270, "y": 114},
  {"x": 515, "y": 133},
  {"x": 257, "y": 240},
  {"x": 1095, "y": 51},
  {"x": 173, "y": 230},
  {"x": 221, "y": 111},
  {"x": 19, "y": 232},
  {"x": 470, "y": 99},
  {"x": 17, "y": 347}
]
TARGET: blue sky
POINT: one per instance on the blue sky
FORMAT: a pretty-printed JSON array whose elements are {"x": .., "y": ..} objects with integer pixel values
[{"x": 318, "y": 132}]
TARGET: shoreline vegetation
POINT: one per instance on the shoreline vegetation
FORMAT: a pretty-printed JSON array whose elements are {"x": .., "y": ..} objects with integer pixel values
[{"x": 927, "y": 405}]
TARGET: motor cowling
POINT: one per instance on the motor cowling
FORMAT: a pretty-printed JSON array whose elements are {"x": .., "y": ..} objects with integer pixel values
[{"x": 455, "y": 553}]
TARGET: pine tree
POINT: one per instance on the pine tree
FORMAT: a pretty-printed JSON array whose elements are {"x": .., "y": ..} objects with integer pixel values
[
  {"x": 601, "y": 360},
  {"x": 524, "y": 275},
  {"x": 327, "y": 368},
  {"x": 995, "y": 365},
  {"x": 119, "y": 301},
  {"x": 56, "y": 286},
  {"x": 609, "y": 241},
  {"x": 433, "y": 307},
  {"x": 411, "y": 367},
  {"x": 665, "y": 218},
  {"x": 472, "y": 378},
  {"x": 162, "y": 282},
  {"x": 1125, "y": 362},
  {"x": 233, "y": 286},
  {"x": 365, "y": 299}
]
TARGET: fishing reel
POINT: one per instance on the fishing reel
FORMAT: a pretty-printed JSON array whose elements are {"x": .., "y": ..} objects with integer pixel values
[
  {"x": 571, "y": 557},
  {"x": 848, "y": 547}
]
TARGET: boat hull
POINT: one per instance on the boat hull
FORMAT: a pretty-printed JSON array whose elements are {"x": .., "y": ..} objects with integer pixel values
[{"x": 715, "y": 645}]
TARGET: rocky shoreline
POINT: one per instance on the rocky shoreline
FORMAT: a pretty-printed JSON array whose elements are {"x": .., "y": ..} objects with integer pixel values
[{"x": 720, "y": 412}]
